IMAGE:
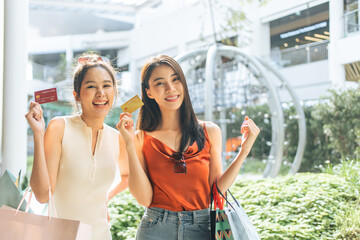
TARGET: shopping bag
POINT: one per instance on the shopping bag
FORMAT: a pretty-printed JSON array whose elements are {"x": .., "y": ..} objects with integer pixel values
[
  {"x": 10, "y": 194},
  {"x": 220, "y": 226},
  {"x": 240, "y": 224},
  {"x": 18, "y": 225}
]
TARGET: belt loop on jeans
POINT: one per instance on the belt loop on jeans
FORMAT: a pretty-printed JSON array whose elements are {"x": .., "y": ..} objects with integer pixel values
[
  {"x": 194, "y": 217},
  {"x": 165, "y": 216}
]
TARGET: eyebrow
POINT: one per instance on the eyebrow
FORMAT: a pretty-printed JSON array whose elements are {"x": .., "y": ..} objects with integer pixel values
[
  {"x": 88, "y": 82},
  {"x": 160, "y": 78}
]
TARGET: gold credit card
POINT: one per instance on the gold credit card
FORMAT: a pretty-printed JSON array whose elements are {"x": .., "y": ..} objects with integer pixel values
[{"x": 132, "y": 104}]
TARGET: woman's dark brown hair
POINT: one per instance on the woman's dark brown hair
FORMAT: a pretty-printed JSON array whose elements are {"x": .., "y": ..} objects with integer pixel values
[{"x": 150, "y": 115}]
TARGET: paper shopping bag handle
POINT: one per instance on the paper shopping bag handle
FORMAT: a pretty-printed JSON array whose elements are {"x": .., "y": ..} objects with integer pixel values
[
  {"x": 215, "y": 197},
  {"x": 225, "y": 197},
  {"x": 50, "y": 204},
  {"x": 22, "y": 200}
]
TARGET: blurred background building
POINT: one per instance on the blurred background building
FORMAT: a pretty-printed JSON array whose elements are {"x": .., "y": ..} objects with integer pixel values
[{"x": 313, "y": 43}]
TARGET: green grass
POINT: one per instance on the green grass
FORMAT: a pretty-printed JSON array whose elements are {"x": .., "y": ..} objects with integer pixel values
[
  {"x": 349, "y": 223},
  {"x": 349, "y": 220}
]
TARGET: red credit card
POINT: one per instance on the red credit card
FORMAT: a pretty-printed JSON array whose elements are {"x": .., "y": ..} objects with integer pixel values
[{"x": 45, "y": 96}]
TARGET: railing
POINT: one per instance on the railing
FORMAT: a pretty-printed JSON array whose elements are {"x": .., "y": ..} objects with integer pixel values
[
  {"x": 302, "y": 54},
  {"x": 42, "y": 72},
  {"x": 47, "y": 73},
  {"x": 351, "y": 22},
  {"x": 235, "y": 86}
]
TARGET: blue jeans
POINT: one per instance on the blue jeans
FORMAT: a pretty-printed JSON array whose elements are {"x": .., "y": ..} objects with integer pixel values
[{"x": 158, "y": 224}]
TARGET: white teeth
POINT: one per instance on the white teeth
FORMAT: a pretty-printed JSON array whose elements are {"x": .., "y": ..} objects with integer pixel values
[
  {"x": 172, "y": 98},
  {"x": 102, "y": 103}
]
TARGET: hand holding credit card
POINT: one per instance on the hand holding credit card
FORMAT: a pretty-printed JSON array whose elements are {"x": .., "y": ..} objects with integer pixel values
[
  {"x": 132, "y": 104},
  {"x": 45, "y": 96}
]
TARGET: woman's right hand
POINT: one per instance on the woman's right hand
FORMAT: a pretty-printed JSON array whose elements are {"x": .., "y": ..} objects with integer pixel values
[
  {"x": 126, "y": 127},
  {"x": 35, "y": 118}
]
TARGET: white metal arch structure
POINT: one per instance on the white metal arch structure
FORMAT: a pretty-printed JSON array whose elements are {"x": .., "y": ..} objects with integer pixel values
[
  {"x": 260, "y": 71},
  {"x": 300, "y": 117}
]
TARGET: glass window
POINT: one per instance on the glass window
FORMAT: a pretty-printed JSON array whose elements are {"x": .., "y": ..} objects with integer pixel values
[
  {"x": 303, "y": 27},
  {"x": 350, "y": 5},
  {"x": 351, "y": 16},
  {"x": 301, "y": 37}
]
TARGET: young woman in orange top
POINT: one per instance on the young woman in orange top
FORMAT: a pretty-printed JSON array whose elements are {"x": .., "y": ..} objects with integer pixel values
[{"x": 174, "y": 158}]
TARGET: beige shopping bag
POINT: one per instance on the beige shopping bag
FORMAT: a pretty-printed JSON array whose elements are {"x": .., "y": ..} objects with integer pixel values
[{"x": 18, "y": 225}]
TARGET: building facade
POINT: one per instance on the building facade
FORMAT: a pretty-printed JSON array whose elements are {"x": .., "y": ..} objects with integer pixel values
[{"x": 313, "y": 43}]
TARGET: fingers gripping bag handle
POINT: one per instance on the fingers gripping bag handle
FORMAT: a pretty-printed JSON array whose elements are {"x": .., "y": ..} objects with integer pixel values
[{"x": 216, "y": 198}]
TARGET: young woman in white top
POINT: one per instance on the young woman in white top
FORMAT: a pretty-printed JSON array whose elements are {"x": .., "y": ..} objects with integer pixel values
[{"x": 77, "y": 155}]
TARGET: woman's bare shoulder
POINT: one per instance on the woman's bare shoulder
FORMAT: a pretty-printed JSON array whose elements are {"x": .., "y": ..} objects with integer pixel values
[
  {"x": 139, "y": 136},
  {"x": 210, "y": 126},
  {"x": 57, "y": 123}
]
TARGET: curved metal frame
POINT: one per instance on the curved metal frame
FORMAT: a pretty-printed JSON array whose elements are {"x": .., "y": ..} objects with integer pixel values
[
  {"x": 301, "y": 118},
  {"x": 278, "y": 132},
  {"x": 277, "y": 117}
]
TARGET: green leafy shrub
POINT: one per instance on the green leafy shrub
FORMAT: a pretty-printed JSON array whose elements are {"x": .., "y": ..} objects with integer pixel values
[
  {"x": 125, "y": 215},
  {"x": 342, "y": 121},
  {"x": 304, "y": 206},
  {"x": 317, "y": 150},
  {"x": 348, "y": 222}
]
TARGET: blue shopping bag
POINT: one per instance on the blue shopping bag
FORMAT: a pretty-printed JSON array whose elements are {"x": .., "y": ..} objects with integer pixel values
[{"x": 10, "y": 193}]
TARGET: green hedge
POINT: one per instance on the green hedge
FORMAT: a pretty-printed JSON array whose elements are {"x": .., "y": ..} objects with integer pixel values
[
  {"x": 125, "y": 215},
  {"x": 304, "y": 206}
]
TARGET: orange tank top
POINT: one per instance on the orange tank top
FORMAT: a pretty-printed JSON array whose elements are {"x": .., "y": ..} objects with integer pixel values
[{"x": 178, "y": 191}]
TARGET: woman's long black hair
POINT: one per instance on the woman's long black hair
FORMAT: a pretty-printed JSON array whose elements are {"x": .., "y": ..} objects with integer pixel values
[{"x": 150, "y": 115}]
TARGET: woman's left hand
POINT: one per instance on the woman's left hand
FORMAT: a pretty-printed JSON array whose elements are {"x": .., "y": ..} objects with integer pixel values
[{"x": 250, "y": 132}]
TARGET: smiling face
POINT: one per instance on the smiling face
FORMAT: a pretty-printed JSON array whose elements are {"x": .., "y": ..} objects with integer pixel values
[
  {"x": 166, "y": 88},
  {"x": 96, "y": 92}
]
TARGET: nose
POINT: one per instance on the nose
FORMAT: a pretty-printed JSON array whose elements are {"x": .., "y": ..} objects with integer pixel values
[
  {"x": 170, "y": 87},
  {"x": 100, "y": 92}
]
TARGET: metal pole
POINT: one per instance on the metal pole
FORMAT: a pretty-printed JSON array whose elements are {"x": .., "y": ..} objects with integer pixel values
[
  {"x": 212, "y": 21},
  {"x": 209, "y": 82}
]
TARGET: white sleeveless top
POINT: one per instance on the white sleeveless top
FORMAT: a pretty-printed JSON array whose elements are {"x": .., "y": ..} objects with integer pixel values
[{"x": 85, "y": 178}]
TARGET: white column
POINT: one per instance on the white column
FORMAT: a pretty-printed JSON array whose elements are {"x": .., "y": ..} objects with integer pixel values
[
  {"x": 135, "y": 76},
  {"x": 336, "y": 21},
  {"x": 69, "y": 55},
  {"x": 14, "y": 126},
  {"x": 2, "y": 36}
]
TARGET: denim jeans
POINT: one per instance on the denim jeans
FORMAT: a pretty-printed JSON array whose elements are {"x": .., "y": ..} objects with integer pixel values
[{"x": 158, "y": 224}]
